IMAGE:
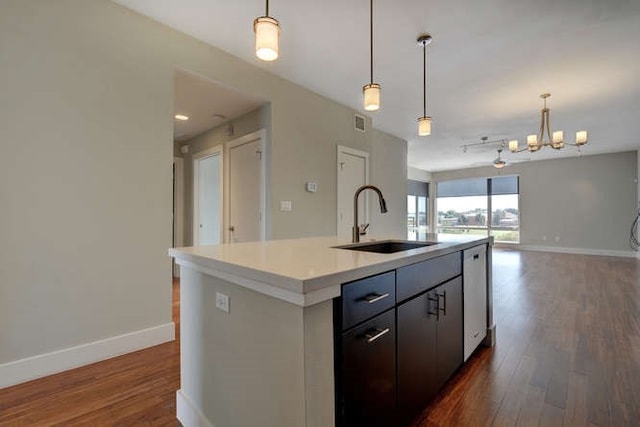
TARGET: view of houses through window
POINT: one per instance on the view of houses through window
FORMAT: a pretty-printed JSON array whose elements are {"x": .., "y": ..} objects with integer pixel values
[
  {"x": 417, "y": 221},
  {"x": 484, "y": 206}
]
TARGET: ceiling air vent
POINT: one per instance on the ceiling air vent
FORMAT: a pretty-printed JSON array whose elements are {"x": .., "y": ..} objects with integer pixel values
[{"x": 358, "y": 122}]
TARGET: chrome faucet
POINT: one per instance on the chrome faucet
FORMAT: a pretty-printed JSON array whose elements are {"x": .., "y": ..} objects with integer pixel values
[{"x": 355, "y": 230}]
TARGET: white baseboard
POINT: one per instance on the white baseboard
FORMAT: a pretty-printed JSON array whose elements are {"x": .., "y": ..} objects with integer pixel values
[
  {"x": 579, "y": 251},
  {"x": 31, "y": 368},
  {"x": 188, "y": 414}
]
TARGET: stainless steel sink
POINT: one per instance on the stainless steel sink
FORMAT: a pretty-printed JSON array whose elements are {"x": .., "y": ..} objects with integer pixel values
[{"x": 386, "y": 246}]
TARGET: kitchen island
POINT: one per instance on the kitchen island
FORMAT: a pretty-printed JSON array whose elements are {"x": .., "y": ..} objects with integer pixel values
[{"x": 260, "y": 331}]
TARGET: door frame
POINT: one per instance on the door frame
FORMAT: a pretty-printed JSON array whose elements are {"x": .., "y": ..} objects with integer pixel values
[
  {"x": 178, "y": 208},
  {"x": 358, "y": 153},
  {"x": 262, "y": 136},
  {"x": 215, "y": 151}
]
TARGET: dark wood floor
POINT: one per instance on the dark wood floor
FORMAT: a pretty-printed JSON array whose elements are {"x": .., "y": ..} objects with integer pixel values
[
  {"x": 567, "y": 354},
  {"x": 568, "y": 347}
]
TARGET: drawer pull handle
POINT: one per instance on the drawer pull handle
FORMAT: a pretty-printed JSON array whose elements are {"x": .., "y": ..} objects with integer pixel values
[
  {"x": 374, "y": 334},
  {"x": 476, "y": 256},
  {"x": 371, "y": 298},
  {"x": 443, "y": 295}
]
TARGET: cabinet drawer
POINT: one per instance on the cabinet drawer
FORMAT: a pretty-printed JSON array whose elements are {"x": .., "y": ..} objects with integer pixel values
[
  {"x": 365, "y": 298},
  {"x": 424, "y": 275}
]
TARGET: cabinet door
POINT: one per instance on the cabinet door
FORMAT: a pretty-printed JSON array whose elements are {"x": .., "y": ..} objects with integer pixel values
[
  {"x": 475, "y": 298},
  {"x": 450, "y": 328},
  {"x": 369, "y": 373},
  {"x": 417, "y": 369}
]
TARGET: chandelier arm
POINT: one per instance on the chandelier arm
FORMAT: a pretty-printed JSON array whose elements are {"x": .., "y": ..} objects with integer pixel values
[
  {"x": 541, "y": 131},
  {"x": 549, "y": 140}
]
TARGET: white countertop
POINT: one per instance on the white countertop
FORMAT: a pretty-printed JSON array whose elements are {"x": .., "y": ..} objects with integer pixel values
[{"x": 309, "y": 270}]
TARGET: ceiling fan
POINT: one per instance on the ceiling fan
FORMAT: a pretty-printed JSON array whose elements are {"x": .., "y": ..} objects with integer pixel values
[{"x": 499, "y": 162}]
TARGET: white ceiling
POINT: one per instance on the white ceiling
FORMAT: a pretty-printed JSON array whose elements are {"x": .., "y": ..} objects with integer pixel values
[
  {"x": 487, "y": 65},
  {"x": 207, "y": 105}
]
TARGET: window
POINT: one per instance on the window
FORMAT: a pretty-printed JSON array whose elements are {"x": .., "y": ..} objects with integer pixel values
[
  {"x": 483, "y": 206},
  {"x": 417, "y": 197}
]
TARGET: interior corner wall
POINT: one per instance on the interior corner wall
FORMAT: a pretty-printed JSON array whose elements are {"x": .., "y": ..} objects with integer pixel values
[
  {"x": 389, "y": 173},
  {"x": 85, "y": 175},
  {"x": 418, "y": 174},
  {"x": 588, "y": 202}
]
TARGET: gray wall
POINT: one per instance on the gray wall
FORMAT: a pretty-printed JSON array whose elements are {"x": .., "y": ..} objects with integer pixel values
[
  {"x": 85, "y": 172},
  {"x": 589, "y": 202}
]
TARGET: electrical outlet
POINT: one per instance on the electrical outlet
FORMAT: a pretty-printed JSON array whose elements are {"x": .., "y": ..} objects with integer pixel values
[
  {"x": 222, "y": 302},
  {"x": 557, "y": 238}
]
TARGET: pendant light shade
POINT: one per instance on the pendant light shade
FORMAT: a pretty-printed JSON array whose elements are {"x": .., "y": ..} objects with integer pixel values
[
  {"x": 424, "y": 122},
  {"x": 371, "y": 94},
  {"x": 424, "y": 126},
  {"x": 372, "y": 91},
  {"x": 267, "y": 31}
]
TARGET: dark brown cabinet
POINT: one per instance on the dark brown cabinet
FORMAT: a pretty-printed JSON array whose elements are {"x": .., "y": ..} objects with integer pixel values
[
  {"x": 430, "y": 347},
  {"x": 399, "y": 337},
  {"x": 369, "y": 373}
]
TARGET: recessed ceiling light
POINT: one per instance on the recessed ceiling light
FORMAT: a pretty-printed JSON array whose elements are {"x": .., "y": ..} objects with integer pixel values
[{"x": 181, "y": 117}]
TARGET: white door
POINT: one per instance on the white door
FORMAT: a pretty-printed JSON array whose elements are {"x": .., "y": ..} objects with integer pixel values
[
  {"x": 246, "y": 188},
  {"x": 353, "y": 172},
  {"x": 207, "y": 196}
]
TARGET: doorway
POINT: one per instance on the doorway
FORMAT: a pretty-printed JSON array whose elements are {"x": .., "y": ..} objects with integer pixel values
[
  {"x": 207, "y": 197},
  {"x": 352, "y": 173},
  {"x": 246, "y": 188}
]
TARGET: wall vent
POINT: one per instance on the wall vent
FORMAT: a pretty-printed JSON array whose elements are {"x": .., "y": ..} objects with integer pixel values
[{"x": 359, "y": 122}]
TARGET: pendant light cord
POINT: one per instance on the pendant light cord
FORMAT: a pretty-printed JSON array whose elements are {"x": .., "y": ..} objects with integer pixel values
[
  {"x": 267, "y": 14},
  {"x": 371, "y": 27},
  {"x": 424, "y": 79}
]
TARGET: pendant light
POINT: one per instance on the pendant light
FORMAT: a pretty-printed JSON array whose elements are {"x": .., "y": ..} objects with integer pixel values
[
  {"x": 424, "y": 122},
  {"x": 267, "y": 31},
  {"x": 371, "y": 91}
]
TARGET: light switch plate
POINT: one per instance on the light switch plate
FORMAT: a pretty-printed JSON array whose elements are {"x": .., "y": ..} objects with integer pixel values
[
  {"x": 312, "y": 187},
  {"x": 285, "y": 205}
]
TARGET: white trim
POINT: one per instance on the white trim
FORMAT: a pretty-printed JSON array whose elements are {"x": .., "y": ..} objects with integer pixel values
[
  {"x": 578, "y": 251},
  {"x": 178, "y": 208},
  {"x": 30, "y": 368},
  {"x": 215, "y": 151},
  {"x": 188, "y": 414},
  {"x": 357, "y": 153},
  {"x": 302, "y": 300},
  {"x": 260, "y": 135}
]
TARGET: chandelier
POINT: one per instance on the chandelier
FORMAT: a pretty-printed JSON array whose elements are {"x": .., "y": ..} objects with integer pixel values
[{"x": 555, "y": 140}]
